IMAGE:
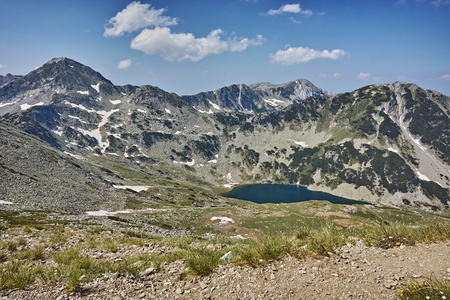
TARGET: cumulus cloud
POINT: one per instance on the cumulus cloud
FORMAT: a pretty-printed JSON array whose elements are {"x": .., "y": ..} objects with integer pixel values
[
  {"x": 299, "y": 55},
  {"x": 445, "y": 77},
  {"x": 363, "y": 76},
  {"x": 185, "y": 46},
  {"x": 136, "y": 16},
  {"x": 289, "y": 8},
  {"x": 123, "y": 64},
  {"x": 2, "y": 66},
  {"x": 334, "y": 75}
]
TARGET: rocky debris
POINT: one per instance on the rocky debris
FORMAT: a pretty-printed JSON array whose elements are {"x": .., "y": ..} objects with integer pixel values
[
  {"x": 353, "y": 271},
  {"x": 227, "y": 257}
]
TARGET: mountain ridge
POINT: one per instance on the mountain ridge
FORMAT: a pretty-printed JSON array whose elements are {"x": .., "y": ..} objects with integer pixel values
[{"x": 386, "y": 144}]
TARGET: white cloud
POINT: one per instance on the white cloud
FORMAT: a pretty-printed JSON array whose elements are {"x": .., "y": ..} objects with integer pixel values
[
  {"x": 435, "y": 3},
  {"x": 438, "y": 3},
  {"x": 299, "y": 55},
  {"x": 363, "y": 76},
  {"x": 123, "y": 64},
  {"x": 289, "y": 8},
  {"x": 2, "y": 66},
  {"x": 445, "y": 77},
  {"x": 185, "y": 46},
  {"x": 136, "y": 16},
  {"x": 334, "y": 75}
]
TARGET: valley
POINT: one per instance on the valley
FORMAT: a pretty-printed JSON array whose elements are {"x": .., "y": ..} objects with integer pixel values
[{"x": 80, "y": 155}]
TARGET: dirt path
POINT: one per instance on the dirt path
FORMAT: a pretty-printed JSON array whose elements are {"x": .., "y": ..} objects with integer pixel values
[{"x": 353, "y": 272}]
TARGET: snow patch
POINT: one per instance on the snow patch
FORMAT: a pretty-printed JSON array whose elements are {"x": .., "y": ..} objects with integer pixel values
[
  {"x": 27, "y": 106},
  {"x": 142, "y": 111},
  {"x": 115, "y": 102},
  {"x": 230, "y": 181},
  {"x": 393, "y": 150},
  {"x": 417, "y": 142},
  {"x": 212, "y": 161},
  {"x": 96, "y": 132},
  {"x": 168, "y": 111},
  {"x": 58, "y": 131},
  {"x": 422, "y": 177},
  {"x": 189, "y": 163},
  {"x": 273, "y": 102},
  {"x": 104, "y": 213},
  {"x": 79, "y": 106},
  {"x": 96, "y": 87},
  {"x": 215, "y": 106},
  {"x": 136, "y": 188},
  {"x": 6, "y": 104},
  {"x": 77, "y": 118},
  {"x": 300, "y": 143},
  {"x": 5, "y": 202},
  {"x": 83, "y": 92},
  {"x": 238, "y": 236},
  {"x": 223, "y": 220},
  {"x": 73, "y": 155},
  {"x": 205, "y": 112}
]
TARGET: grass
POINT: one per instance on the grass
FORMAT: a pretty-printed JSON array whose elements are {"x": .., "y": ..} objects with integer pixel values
[
  {"x": 202, "y": 261},
  {"x": 293, "y": 230},
  {"x": 429, "y": 289}
]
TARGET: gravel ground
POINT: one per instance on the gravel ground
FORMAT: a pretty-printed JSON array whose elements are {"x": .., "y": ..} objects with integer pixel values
[{"x": 353, "y": 272}]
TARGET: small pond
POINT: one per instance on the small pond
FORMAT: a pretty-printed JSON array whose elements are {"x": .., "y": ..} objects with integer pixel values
[{"x": 283, "y": 193}]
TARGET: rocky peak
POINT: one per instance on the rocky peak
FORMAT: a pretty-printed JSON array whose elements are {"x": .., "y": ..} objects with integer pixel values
[
  {"x": 257, "y": 97},
  {"x": 4, "y": 80},
  {"x": 58, "y": 77}
]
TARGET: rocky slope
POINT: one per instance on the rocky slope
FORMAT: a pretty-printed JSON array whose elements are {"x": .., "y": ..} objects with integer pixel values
[
  {"x": 35, "y": 176},
  {"x": 353, "y": 271},
  {"x": 4, "y": 80},
  {"x": 255, "y": 98},
  {"x": 386, "y": 144}
]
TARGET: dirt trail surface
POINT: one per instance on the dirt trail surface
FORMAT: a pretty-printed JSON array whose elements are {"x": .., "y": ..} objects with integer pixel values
[{"x": 353, "y": 272}]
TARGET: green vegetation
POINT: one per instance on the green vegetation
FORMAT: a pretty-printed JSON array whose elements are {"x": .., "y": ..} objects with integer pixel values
[
  {"x": 430, "y": 289},
  {"x": 298, "y": 230}
]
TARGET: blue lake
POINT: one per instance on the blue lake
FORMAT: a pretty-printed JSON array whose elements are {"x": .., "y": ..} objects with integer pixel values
[{"x": 283, "y": 193}]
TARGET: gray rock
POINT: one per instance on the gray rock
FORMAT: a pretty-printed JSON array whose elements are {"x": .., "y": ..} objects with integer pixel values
[{"x": 147, "y": 272}]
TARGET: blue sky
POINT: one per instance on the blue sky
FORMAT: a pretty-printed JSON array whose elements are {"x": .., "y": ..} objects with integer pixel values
[{"x": 191, "y": 46}]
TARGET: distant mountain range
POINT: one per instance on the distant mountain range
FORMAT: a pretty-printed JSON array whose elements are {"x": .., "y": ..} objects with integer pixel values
[{"x": 387, "y": 144}]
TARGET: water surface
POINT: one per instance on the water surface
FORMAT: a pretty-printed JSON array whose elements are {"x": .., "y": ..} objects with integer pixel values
[{"x": 283, "y": 193}]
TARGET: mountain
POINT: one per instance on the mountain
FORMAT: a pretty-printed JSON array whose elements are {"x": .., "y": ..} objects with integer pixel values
[
  {"x": 387, "y": 144},
  {"x": 35, "y": 175},
  {"x": 4, "y": 80},
  {"x": 255, "y": 98}
]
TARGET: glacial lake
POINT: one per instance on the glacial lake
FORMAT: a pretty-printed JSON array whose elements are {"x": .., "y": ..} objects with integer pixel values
[{"x": 283, "y": 193}]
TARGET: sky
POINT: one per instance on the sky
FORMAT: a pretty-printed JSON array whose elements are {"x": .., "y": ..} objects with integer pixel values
[{"x": 187, "y": 47}]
